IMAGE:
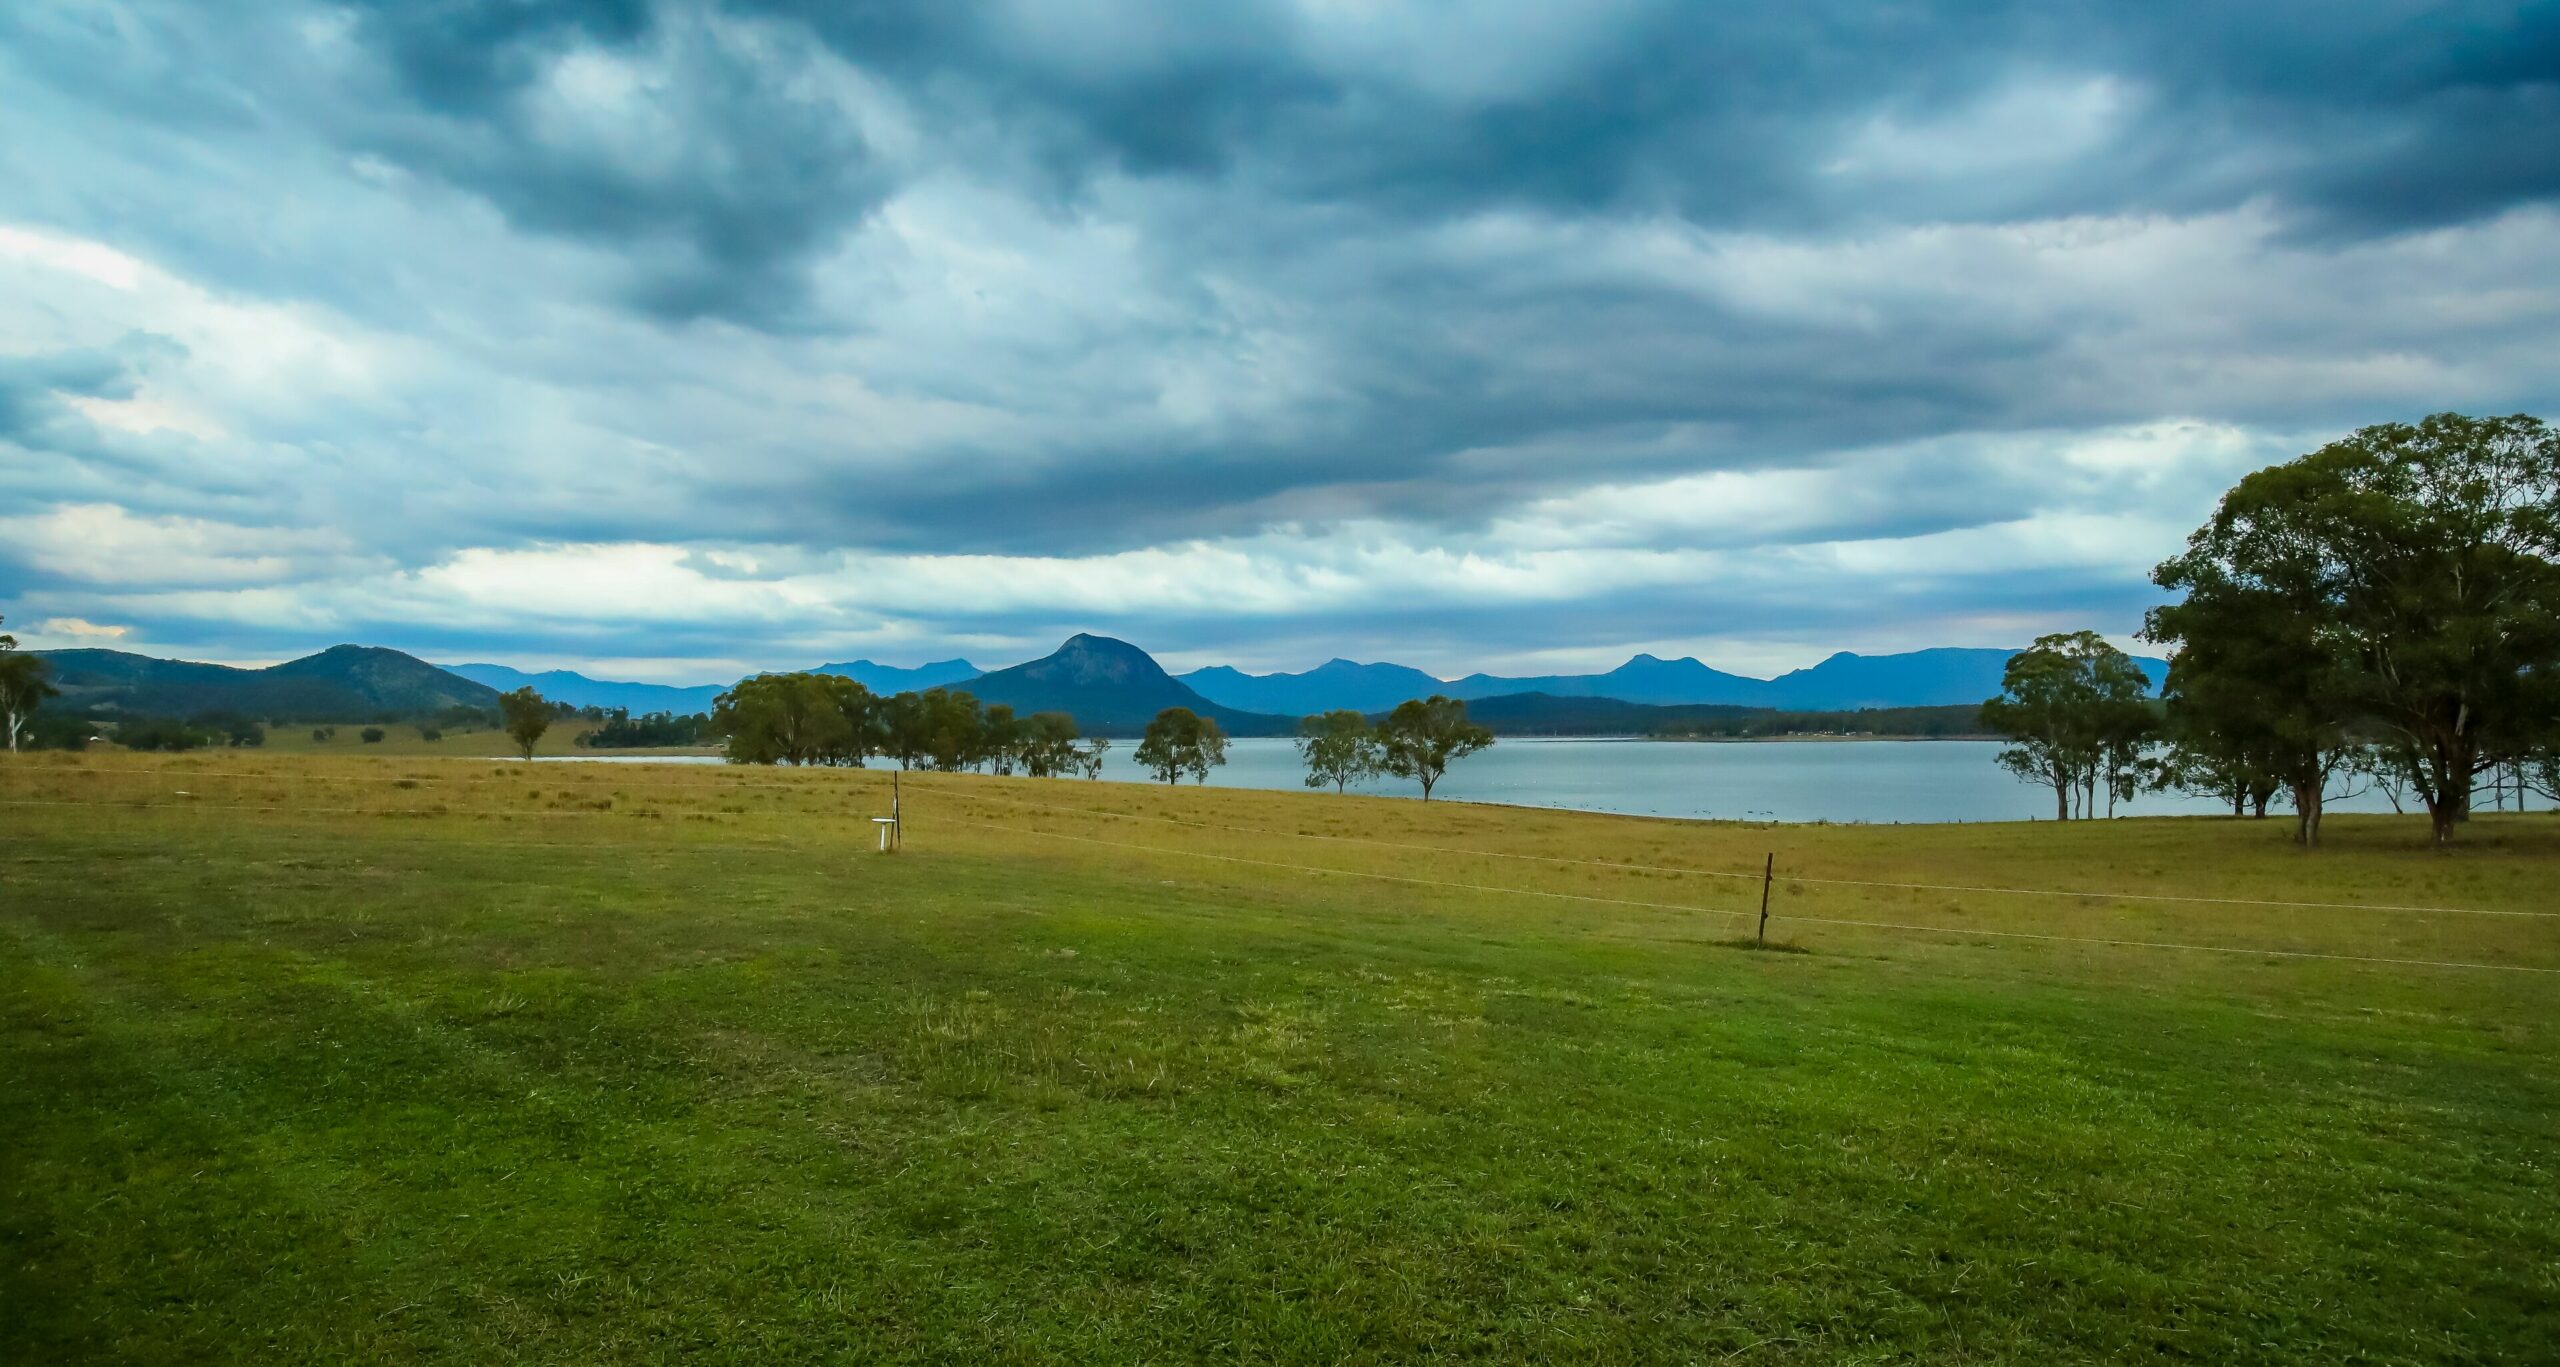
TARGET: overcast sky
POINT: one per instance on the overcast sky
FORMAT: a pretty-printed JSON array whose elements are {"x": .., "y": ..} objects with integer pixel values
[{"x": 668, "y": 340}]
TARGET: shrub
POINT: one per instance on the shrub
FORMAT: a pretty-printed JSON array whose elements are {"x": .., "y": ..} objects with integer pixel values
[
  {"x": 429, "y": 733},
  {"x": 160, "y": 733},
  {"x": 59, "y": 731},
  {"x": 373, "y": 735}
]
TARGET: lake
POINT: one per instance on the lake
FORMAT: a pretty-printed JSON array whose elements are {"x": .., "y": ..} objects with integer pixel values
[{"x": 1778, "y": 780}]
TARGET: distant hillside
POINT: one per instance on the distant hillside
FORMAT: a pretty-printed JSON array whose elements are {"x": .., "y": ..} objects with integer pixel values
[
  {"x": 577, "y": 690},
  {"x": 1335, "y": 683},
  {"x": 1955, "y": 721},
  {"x": 342, "y": 683},
  {"x": 888, "y": 679},
  {"x": 1645, "y": 678},
  {"x": 1545, "y": 714},
  {"x": 1111, "y": 688},
  {"x": 1920, "y": 678},
  {"x": 640, "y": 699}
]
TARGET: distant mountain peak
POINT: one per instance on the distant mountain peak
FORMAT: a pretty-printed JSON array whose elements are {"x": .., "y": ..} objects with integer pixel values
[
  {"x": 1087, "y": 658},
  {"x": 1109, "y": 685},
  {"x": 1648, "y": 660}
]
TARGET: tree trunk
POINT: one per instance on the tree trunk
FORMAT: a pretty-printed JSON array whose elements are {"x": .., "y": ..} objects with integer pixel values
[
  {"x": 2260, "y": 808},
  {"x": 2062, "y": 799},
  {"x": 2307, "y": 799},
  {"x": 13, "y": 730}
]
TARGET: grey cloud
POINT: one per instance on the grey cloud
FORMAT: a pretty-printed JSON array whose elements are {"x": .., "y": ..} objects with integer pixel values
[{"x": 2358, "y": 118}]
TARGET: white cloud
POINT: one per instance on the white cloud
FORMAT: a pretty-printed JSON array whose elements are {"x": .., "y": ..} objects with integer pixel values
[
  {"x": 105, "y": 545},
  {"x": 78, "y": 629}
]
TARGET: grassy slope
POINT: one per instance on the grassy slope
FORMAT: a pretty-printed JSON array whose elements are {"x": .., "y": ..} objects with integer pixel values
[{"x": 662, "y": 1065}]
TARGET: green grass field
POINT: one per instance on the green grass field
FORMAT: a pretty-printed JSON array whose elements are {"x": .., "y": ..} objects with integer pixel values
[{"x": 396, "y": 1058}]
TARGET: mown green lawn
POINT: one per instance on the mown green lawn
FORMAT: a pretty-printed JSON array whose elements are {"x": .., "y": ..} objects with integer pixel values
[{"x": 308, "y": 1066}]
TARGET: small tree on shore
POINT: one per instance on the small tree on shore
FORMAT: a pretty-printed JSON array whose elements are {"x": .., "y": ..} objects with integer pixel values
[
  {"x": 1045, "y": 744},
  {"x": 1180, "y": 741},
  {"x": 23, "y": 685},
  {"x": 2077, "y": 713},
  {"x": 526, "y": 716},
  {"x": 1424, "y": 736},
  {"x": 1339, "y": 748}
]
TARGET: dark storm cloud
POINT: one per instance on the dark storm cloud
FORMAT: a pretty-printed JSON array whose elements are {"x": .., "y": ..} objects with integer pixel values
[
  {"x": 32, "y": 409},
  {"x": 2357, "y": 119},
  {"x": 1722, "y": 114},
  {"x": 719, "y": 208},
  {"x": 38, "y": 415}
]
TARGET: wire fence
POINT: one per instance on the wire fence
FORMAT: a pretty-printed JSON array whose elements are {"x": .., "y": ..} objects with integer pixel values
[{"x": 759, "y": 785}]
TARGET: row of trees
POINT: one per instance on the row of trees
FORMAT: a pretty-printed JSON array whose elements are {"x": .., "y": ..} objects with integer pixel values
[
  {"x": 617, "y": 729},
  {"x": 832, "y": 720},
  {"x": 2384, "y": 609}
]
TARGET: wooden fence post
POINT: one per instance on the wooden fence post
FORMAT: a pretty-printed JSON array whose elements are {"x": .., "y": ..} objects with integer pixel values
[{"x": 1767, "y": 870}]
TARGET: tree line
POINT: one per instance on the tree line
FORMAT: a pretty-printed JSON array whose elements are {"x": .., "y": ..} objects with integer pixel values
[
  {"x": 1951, "y": 722},
  {"x": 826, "y": 719},
  {"x": 2384, "y": 610}
]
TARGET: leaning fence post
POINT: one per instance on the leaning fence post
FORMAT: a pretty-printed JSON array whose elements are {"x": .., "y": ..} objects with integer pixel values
[{"x": 1767, "y": 870}]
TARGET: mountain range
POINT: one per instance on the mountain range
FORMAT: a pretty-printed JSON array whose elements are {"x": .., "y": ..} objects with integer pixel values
[
  {"x": 1941, "y": 677},
  {"x": 640, "y": 699},
  {"x": 577, "y": 690},
  {"x": 1110, "y": 686}
]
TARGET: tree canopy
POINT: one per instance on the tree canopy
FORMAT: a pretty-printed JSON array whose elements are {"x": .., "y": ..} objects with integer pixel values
[
  {"x": 798, "y": 719},
  {"x": 1180, "y": 741},
  {"x": 23, "y": 687},
  {"x": 525, "y": 715},
  {"x": 1424, "y": 736},
  {"x": 2077, "y": 714},
  {"x": 2405, "y": 580},
  {"x": 1340, "y": 748},
  {"x": 811, "y": 718}
]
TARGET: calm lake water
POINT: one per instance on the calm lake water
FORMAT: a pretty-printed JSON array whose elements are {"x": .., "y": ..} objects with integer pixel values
[{"x": 1847, "y": 780}]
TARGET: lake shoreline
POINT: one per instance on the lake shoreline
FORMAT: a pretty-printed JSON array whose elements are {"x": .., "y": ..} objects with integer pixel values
[{"x": 1840, "y": 780}]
